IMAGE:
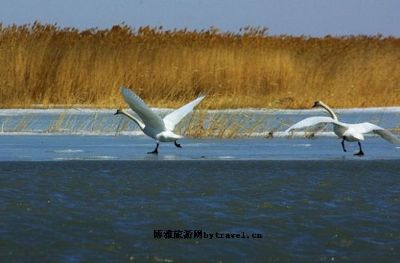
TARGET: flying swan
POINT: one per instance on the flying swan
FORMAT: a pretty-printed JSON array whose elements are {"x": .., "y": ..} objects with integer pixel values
[
  {"x": 151, "y": 124},
  {"x": 345, "y": 131}
]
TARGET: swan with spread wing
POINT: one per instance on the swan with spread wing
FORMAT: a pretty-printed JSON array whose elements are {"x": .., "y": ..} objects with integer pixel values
[
  {"x": 345, "y": 131},
  {"x": 150, "y": 123}
]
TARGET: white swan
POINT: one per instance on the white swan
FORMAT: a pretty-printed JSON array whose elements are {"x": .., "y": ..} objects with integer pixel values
[
  {"x": 345, "y": 131},
  {"x": 151, "y": 124}
]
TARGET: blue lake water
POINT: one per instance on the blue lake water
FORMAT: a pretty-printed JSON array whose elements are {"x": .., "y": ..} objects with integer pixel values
[{"x": 100, "y": 199}]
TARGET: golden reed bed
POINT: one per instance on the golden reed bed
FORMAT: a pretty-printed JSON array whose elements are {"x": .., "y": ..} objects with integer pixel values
[{"x": 46, "y": 65}]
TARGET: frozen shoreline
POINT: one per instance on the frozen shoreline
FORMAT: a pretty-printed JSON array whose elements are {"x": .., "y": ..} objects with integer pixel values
[{"x": 234, "y": 123}]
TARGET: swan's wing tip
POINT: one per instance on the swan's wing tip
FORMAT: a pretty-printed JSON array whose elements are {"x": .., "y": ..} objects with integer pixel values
[
  {"x": 201, "y": 97},
  {"x": 387, "y": 135},
  {"x": 195, "y": 102},
  {"x": 287, "y": 132},
  {"x": 123, "y": 89}
]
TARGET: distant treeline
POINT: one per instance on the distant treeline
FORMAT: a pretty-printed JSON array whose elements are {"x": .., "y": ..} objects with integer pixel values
[{"x": 48, "y": 65}]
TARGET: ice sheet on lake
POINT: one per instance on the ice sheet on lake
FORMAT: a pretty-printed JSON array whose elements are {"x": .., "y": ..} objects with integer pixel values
[
  {"x": 68, "y": 151},
  {"x": 110, "y": 148}
]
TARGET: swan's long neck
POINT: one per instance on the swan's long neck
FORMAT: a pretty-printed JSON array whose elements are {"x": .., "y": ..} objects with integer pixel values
[
  {"x": 136, "y": 120},
  {"x": 329, "y": 110}
]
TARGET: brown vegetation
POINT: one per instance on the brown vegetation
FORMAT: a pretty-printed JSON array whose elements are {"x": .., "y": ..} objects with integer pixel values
[{"x": 47, "y": 65}]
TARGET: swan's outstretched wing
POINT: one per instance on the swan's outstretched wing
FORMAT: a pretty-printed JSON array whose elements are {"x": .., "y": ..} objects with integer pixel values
[
  {"x": 367, "y": 127},
  {"x": 172, "y": 119},
  {"x": 388, "y": 136},
  {"x": 149, "y": 118},
  {"x": 311, "y": 121}
]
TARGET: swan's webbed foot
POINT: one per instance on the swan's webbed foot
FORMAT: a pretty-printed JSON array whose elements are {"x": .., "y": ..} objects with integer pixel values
[
  {"x": 344, "y": 148},
  {"x": 177, "y": 144},
  {"x": 155, "y": 150},
  {"x": 360, "y": 152}
]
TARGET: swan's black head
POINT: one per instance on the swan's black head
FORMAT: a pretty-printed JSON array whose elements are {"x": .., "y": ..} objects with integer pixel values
[{"x": 317, "y": 104}]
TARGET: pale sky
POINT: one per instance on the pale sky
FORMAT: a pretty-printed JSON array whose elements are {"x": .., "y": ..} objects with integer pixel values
[{"x": 295, "y": 17}]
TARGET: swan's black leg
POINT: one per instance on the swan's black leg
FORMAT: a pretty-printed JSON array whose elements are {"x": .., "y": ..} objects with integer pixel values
[
  {"x": 360, "y": 153},
  {"x": 344, "y": 148},
  {"x": 155, "y": 150},
  {"x": 177, "y": 144},
  {"x": 117, "y": 112}
]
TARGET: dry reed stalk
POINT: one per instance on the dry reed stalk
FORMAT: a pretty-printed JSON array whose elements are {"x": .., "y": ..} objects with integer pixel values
[{"x": 47, "y": 65}]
